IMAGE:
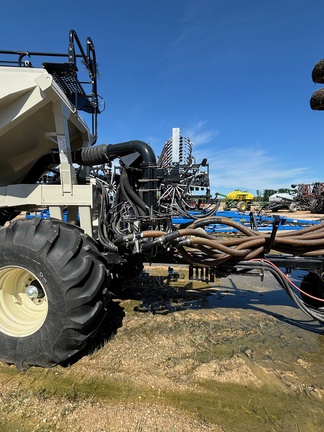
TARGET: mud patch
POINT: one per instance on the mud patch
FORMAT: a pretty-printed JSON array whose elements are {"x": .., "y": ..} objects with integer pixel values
[
  {"x": 247, "y": 360},
  {"x": 233, "y": 370}
]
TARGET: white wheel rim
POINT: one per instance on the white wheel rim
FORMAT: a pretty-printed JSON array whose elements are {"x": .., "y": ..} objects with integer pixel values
[{"x": 20, "y": 315}]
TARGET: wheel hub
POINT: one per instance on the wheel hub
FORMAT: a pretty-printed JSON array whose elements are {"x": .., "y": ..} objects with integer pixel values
[{"x": 23, "y": 302}]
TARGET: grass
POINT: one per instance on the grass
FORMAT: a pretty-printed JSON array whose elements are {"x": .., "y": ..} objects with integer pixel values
[{"x": 228, "y": 404}]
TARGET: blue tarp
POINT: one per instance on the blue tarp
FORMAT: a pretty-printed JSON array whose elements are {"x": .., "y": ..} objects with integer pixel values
[
  {"x": 259, "y": 222},
  {"x": 262, "y": 222}
]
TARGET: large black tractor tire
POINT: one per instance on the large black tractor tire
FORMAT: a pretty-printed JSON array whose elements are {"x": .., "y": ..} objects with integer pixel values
[
  {"x": 318, "y": 72},
  {"x": 53, "y": 292},
  {"x": 317, "y": 100},
  {"x": 313, "y": 285},
  {"x": 314, "y": 206}
]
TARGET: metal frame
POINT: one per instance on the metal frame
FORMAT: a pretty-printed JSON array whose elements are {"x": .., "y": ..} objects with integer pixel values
[
  {"x": 40, "y": 92},
  {"x": 75, "y": 53}
]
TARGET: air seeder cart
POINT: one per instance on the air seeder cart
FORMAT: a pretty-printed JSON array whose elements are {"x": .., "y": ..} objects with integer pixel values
[{"x": 104, "y": 222}]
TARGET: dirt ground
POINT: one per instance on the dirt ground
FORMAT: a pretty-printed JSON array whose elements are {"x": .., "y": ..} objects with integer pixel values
[
  {"x": 299, "y": 214},
  {"x": 178, "y": 355}
]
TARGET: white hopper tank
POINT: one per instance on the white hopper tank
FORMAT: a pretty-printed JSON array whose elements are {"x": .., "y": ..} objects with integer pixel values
[{"x": 29, "y": 98}]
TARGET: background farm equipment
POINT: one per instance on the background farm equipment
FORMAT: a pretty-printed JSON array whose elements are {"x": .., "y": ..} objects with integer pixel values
[
  {"x": 237, "y": 199},
  {"x": 310, "y": 196},
  {"x": 281, "y": 201}
]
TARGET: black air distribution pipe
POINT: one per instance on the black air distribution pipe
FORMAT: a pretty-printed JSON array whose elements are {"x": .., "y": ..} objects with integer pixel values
[
  {"x": 100, "y": 154},
  {"x": 103, "y": 153},
  {"x": 90, "y": 156}
]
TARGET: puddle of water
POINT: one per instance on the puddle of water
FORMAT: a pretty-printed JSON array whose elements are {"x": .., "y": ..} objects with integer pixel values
[{"x": 160, "y": 293}]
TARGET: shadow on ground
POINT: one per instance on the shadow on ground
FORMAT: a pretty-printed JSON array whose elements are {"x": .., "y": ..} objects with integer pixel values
[{"x": 164, "y": 294}]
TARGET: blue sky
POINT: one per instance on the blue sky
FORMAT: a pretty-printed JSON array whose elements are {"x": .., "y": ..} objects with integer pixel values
[{"x": 233, "y": 75}]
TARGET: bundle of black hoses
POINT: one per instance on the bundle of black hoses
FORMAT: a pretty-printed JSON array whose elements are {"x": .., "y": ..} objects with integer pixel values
[
  {"x": 202, "y": 249},
  {"x": 206, "y": 250},
  {"x": 316, "y": 313}
]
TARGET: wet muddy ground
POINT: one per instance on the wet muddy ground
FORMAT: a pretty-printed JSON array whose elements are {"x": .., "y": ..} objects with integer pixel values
[{"x": 182, "y": 355}]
